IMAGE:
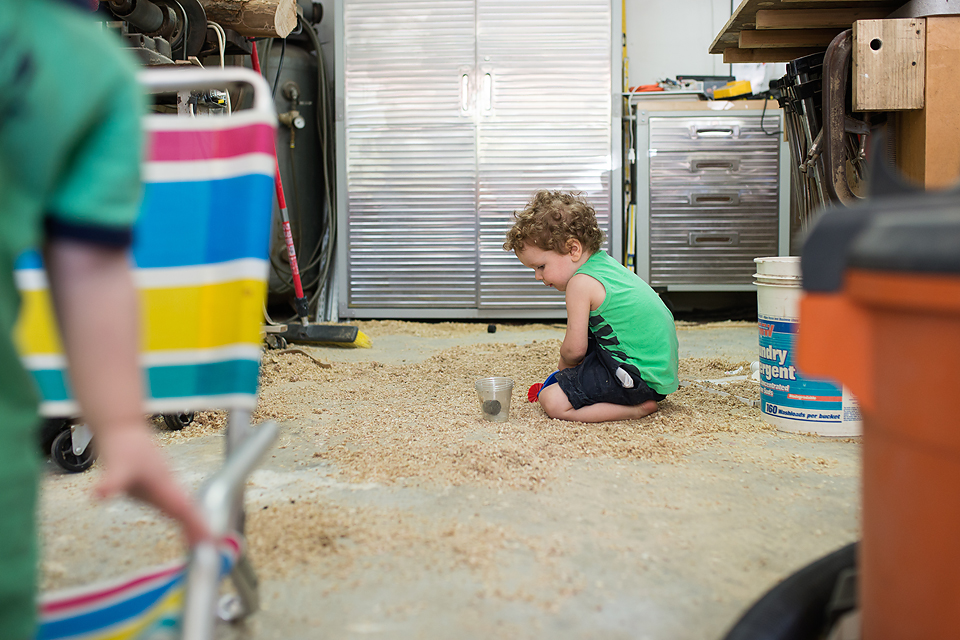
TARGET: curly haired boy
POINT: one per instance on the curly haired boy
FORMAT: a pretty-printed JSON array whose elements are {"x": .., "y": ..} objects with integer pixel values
[{"x": 619, "y": 354}]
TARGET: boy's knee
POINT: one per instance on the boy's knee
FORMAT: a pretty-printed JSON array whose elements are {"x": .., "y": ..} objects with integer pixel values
[
  {"x": 554, "y": 404},
  {"x": 549, "y": 408}
]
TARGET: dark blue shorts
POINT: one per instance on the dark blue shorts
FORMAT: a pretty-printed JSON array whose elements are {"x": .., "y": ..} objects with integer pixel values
[{"x": 595, "y": 380}]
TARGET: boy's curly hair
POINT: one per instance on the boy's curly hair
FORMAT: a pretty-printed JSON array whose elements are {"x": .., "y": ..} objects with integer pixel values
[{"x": 551, "y": 219}]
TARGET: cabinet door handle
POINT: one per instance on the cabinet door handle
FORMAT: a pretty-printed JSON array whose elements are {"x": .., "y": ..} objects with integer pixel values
[
  {"x": 464, "y": 92},
  {"x": 486, "y": 92},
  {"x": 720, "y": 164},
  {"x": 715, "y": 198},
  {"x": 715, "y": 131},
  {"x": 713, "y": 239}
]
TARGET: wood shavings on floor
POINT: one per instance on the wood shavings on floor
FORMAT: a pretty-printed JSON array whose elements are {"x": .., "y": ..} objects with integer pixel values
[{"x": 383, "y": 423}]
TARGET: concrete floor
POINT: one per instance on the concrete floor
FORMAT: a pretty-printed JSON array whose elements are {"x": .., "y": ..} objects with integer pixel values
[{"x": 635, "y": 549}]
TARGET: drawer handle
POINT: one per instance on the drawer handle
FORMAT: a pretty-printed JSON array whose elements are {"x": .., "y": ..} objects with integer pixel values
[
  {"x": 725, "y": 131},
  {"x": 716, "y": 198},
  {"x": 713, "y": 239},
  {"x": 706, "y": 165}
]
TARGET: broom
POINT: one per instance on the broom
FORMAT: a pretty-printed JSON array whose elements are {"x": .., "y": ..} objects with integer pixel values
[{"x": 305, "y": 332}]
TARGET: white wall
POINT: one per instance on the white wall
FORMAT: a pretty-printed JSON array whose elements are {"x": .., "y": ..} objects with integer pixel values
[{"x": 670, "y": 38}]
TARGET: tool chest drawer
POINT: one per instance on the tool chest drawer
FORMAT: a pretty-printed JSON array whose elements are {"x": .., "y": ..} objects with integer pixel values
[
  {"x": 711, "y": 197},
  {"x": 713, "y": 133}
]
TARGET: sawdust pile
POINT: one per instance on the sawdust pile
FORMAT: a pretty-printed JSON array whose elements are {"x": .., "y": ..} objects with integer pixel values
[
  {"x": 381, "y": 423},
  {"x": 421, "y": 423},
  {"x": 711, "y": 368},
  {"x": 437, "y": 329},
  {"x": 339, "y": 536}
]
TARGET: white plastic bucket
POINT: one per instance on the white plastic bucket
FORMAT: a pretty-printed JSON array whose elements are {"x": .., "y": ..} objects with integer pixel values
[{"x": 791, "y": 401}]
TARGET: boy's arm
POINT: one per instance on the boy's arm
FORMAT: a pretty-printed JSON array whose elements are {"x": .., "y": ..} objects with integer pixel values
[
  {"x": 583, "y": 294},
  {"x": 96, "y": 306}
]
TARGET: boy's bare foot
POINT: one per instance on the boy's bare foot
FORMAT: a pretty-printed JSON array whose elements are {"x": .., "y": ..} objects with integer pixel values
[{"x": 645, "y": 409}]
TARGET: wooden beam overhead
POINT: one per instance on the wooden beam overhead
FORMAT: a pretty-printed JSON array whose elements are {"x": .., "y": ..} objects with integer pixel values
[
  {"x": 815, "y": 18},
  {"x": 787, "y": 38},
  {"x": 767, "y": 55}
]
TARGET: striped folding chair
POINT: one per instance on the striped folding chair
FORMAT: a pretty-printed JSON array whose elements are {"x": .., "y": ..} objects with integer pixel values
[{"x": 200, "y": 260}]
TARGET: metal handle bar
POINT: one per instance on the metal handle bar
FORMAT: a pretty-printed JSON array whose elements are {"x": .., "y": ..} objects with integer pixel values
[
  {"x": 193, "y": 78},
  {"x": 217, "y": 499}
]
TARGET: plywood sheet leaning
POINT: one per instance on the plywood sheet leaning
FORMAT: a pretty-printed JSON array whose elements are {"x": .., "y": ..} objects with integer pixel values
[{"x": 889, "y": 63}]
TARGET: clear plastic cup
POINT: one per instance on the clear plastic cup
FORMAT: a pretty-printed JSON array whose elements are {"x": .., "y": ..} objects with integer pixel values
[{"x": 494, "y": 396}]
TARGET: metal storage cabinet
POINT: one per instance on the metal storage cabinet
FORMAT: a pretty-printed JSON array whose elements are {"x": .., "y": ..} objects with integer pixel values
[
  {"x": 712, "y": 195},
  {"x": 450, "y": 115}
]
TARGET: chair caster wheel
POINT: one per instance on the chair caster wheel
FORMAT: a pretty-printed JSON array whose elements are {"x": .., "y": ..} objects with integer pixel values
[{"x": 230, "y": 608}]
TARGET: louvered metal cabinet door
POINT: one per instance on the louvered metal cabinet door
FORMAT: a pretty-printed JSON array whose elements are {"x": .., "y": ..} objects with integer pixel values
[
  {"x": 410, "y": 136},
  {"x": 544, "y": 108}
]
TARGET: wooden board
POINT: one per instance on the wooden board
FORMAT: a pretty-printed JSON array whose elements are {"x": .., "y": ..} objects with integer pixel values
[
  {"x": 928, "y": 140},
  {"x": 815, "y": 18},
  {"x": 735, "y": 55},
  {"x": 783, "y": 39},
  {"x": 888, "y": 64},
  {"x": 745, "y": 16}
]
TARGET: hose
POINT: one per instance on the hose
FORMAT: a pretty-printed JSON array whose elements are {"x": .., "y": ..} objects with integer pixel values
[{"x": 323, "y": 130}]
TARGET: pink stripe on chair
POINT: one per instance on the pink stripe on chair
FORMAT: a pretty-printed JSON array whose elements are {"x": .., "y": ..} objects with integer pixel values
[
  {"x": 174, "y": 146},
  {"x": 94, "y": 596}
]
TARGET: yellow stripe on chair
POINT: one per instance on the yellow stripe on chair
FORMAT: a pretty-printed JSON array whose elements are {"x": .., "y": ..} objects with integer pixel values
[
  {"x": 193, "y": 317},
  {"x": 166, "y": 612},
  {"x": 36, "y": 329},
  {"x": 203, "y": 317}
]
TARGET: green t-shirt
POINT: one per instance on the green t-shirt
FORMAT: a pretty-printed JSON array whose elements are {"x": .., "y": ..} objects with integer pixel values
[
  {"x": 70, "y": 151},
  {"x": 633, "y": 324}
]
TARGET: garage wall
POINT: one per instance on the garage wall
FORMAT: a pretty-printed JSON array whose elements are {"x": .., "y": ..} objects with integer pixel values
[{"x": 666, "y": 39}]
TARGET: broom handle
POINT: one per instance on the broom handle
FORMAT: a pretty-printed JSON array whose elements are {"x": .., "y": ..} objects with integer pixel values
[{"x": 301, "y": 300}]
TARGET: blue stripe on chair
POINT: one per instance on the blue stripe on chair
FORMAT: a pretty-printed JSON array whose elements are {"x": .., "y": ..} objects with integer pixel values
[
  {"x": 171, "y": 231},
  {"x": 53, "y": 384},
  {"x": 29, "y": 259},
  {"x": 171, "y": 381},
  {"x": 101, "y": 618},
  {"x": 194, "y": 223},
  {"x": 210, "y": 379}
]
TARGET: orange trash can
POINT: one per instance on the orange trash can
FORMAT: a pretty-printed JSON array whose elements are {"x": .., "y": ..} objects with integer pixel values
[{"x": 881, "y": 313}]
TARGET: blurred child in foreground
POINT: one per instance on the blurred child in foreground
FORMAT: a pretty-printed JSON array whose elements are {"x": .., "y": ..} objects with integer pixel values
[{"x": 70, "y": 147}]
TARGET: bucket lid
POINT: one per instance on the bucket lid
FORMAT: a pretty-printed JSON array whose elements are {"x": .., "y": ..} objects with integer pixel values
[
  {"x": 926, "y": 242},
  {"x": 778, "y": 266},
  {"x": 917, "y": 233}
]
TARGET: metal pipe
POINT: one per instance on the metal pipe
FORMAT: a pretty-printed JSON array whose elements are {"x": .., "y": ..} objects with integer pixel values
[
  {"x": 217, "y": 500},
  {"x": 200, "y": 602},
  {"x": 142, "y": 14},
  {"x": 219, "y": 495}
]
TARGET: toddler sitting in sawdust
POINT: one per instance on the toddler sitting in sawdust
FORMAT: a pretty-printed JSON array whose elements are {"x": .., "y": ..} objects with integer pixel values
[{"x": 619, "y": 353}]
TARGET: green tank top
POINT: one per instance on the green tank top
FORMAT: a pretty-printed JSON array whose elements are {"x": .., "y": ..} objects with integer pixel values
[{"x": 633, "y": 324}]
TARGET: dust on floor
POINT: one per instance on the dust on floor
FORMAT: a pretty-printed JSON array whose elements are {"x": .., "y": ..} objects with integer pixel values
[{"x": 419, "y": 424}]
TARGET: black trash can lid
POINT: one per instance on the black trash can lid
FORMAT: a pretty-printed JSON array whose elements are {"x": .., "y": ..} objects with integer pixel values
[{"x": 919, "y": 232}]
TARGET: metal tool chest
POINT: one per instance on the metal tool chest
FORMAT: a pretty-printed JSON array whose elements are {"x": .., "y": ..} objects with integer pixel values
[{"x": 712, "y": 193}]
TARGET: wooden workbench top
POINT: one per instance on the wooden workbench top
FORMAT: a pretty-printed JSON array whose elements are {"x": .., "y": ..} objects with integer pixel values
[{"x": 783, "y": 30}]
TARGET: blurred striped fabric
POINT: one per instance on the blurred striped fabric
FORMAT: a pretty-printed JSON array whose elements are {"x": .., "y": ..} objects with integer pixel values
[
  {"x": 145, "y": 606},
  {"x": 200, "y": 255}
]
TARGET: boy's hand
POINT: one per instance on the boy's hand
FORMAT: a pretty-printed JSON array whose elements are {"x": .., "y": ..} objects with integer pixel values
[
  {"x": 134, "y": 465},
  {"x": 96, "y": 304}
]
